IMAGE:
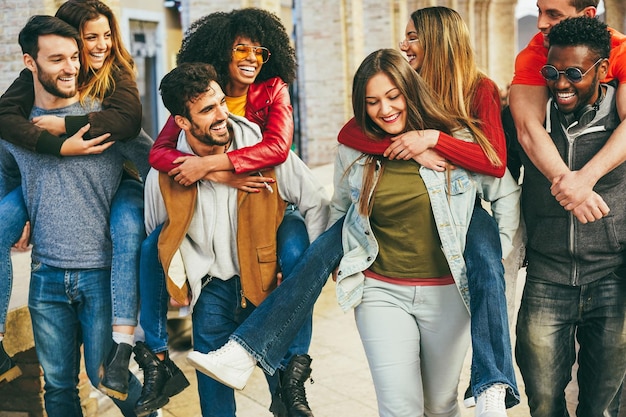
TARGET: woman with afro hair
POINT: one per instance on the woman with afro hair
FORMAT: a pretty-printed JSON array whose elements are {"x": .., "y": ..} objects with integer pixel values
[{"x": 251, "y": 53}]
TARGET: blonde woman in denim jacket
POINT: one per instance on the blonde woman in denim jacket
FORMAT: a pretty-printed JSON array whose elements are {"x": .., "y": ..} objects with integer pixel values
[{"x": 414, "y": 323}]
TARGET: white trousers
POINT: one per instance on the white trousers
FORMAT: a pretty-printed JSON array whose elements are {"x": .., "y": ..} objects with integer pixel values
[{"x": 415, "y": 340}]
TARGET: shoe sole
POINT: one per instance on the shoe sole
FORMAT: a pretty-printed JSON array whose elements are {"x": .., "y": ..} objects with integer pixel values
[
  {"x": 11, "y": 374},
  {"x": 112, "y": 393},
  {"x": 469, "y": 402},
  {"x": 210, "y": 373},
  {"x": 152, "y": 407}
]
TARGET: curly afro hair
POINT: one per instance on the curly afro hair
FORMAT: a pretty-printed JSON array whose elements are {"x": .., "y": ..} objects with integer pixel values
[
  {"x": 585, "y": 31},
  {"x": 210, "y": 40}
]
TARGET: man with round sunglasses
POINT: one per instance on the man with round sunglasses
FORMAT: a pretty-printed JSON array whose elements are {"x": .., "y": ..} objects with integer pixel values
[
  {"x": 573, "y": 74},
  {"x": 574, "y": 190},
  {"x": 575, "y": 287}
]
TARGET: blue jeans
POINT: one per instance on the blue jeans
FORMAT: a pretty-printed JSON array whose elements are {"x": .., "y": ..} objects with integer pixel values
[
  {"x": 127, "y": 235},
  {"x": 153, "y": 294},
  {"x": 14, "y": 216},
  {"x": 492, "y": 360},
  {"x": 292, "y": 241},
  {"x": 271, "y": 328},
  {"x": 551, "y": 316},
  {"x": 216, "y": 314},
  {"x": 69, "y": 308}
]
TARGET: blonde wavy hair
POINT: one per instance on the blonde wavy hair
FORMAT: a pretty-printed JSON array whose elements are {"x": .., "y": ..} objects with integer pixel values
[{"x": 450, "y": 69}]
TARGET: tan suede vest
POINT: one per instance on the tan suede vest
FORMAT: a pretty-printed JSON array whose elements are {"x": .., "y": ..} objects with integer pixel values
[{"x": 258, "y": 218}]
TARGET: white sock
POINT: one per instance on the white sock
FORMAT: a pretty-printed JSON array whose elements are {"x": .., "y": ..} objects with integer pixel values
[
  {"x": 123, "y": 338},
  {"x": 1, "y": 337}
]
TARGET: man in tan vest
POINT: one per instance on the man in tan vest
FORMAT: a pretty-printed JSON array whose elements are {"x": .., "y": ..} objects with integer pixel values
[{"x": 218, "y": 244}]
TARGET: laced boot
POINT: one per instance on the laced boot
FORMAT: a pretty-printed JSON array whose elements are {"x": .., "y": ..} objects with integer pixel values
[
  {"x": 176, "y": 379},
  {"x": 277, "y": 407},
  {"x": 114, "y": 383},
  {"x": 8, "y": 369},
  {"x": 292, "y": 382},
  {"x": 155, "y": 377}
]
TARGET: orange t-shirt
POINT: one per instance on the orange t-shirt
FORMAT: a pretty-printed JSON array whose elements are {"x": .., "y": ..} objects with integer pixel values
[{"x": 529, "y": 61}]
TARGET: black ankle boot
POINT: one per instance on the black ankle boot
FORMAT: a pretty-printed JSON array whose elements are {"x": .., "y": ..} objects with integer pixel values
[
  {"x": 8, "y": 369},
  {"x": 155, "y": 376},
  {"x": 292, "y": 382},
  {"x": 114, "y": 383},
  {"x": 176, "y": 379},
  {"x": 277, "y": 407},
  {"x": 161, "y": 380}
]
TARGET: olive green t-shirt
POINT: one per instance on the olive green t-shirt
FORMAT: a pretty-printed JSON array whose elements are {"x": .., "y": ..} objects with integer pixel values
[{"x": 404, "y": 226}]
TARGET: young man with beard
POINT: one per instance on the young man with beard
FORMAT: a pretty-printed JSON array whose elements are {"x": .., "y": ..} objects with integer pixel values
[
  {"x": 218, "y": 244},
  {"x": 70, "y": 295},
  {"x": 575, "y": 287}
]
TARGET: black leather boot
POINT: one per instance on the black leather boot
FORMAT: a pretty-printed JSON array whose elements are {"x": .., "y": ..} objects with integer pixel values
[
  {"x": 8, "y": 369},
  {"x": 155, "y": 376},
  {"x": 114, "y": 383},
  {"x": 292, "y": 382},
  {"x": 161, "y": 380},
  {"x": 277, "y": 407},
  {"x": 176, "y": 379}
]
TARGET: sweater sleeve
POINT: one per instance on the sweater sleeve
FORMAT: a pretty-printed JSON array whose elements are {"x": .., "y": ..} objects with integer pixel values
[
  {"x": 164, "y": 152},
  {"x": 470, "y": 155},
  {"x": 15, "y": 107},
  {"x": 120, "y": 115}
]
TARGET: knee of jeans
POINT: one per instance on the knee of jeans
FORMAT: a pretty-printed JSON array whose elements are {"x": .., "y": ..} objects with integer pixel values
[
  {"x": 14, "y": 217},
  {"x": 289, "y": 256},
  {"x": 127, "y": 225}
]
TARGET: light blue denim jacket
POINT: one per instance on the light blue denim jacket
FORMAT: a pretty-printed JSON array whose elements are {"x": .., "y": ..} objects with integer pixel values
[{"x": 452, "y": 209}]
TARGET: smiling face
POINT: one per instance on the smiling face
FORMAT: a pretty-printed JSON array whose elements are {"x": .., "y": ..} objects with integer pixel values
[
  {"x": 207, "y": 124},
  {"x": 413, "y": 47},
  {"x": 97, "y": 41},
  {"x": 243, "y": 72},
  {"x": 551, "y": 12},
  {"x": 570, "y": 96},
  {"x": 56, "y": 65},
  {"x": 385, "y": 104}
]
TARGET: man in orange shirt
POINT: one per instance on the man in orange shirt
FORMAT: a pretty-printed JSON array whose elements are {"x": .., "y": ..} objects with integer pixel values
[{"x": 528, "y": 98}]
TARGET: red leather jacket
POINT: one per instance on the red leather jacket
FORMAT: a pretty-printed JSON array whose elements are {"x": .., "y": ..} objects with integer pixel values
[{"x": 269, "y": 106}]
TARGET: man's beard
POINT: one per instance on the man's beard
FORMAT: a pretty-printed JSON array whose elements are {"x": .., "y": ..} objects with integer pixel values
[
  {"x": 208, "y": 138},
  {"x": 49, "y": 83}
]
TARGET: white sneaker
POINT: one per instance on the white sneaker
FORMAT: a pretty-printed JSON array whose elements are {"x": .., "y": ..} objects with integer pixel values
[
  {"x": 231, "y": 364},
  {"x": 490, "y": 402}
]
